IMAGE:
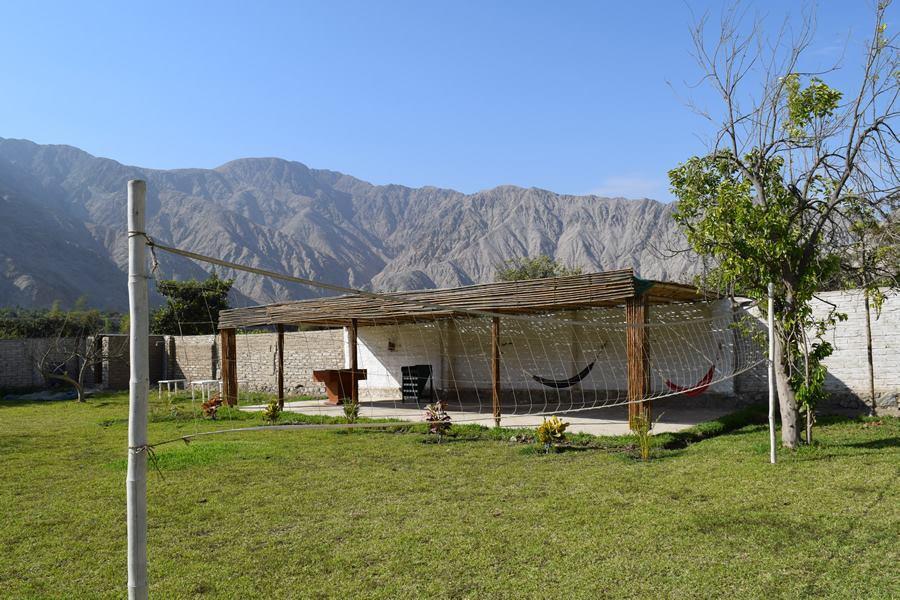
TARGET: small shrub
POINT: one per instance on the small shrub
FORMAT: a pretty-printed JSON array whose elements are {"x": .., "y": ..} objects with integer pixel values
[
  {"x": 210, "y": 408},
  {"x": 551, "y": 431},
  {"x": 174, "y": 411},
  {"x": 438, "y": 419},
  {"x": 351, "y": 410},
  {"x": 272, "y": 412},
  {"x": 641, "y": 427}
]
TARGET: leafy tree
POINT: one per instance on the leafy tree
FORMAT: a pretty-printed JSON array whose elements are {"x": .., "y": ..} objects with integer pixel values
[
  {"x": 536, "y": 267},
  {"x": 192, "y": 307},
  {"x": 789, "y": 160}
]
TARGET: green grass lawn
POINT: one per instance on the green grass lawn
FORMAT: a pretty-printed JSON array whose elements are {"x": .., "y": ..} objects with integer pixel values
[{"x": 385, "y": 514}]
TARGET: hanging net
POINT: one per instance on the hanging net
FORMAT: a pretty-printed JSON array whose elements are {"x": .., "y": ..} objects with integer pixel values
[{"x": 481, "y": 365}]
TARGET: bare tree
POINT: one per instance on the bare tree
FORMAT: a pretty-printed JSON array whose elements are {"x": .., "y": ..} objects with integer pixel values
[{"x": 69, "y": 359}]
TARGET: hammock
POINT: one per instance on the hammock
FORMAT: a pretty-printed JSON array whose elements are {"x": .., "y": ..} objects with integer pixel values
[
  {"x": 564, "y": 383},
  {"x": 696, "y": 389}
]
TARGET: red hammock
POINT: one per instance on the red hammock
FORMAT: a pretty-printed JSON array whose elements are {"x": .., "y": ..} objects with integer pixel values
[{"x": 696, "y": 389}]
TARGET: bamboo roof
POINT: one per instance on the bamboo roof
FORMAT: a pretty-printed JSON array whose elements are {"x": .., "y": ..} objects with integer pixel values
[{"x": 589, "y": 290}]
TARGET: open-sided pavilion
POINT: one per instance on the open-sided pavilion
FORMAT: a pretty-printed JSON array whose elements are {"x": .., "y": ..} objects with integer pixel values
[{"x": 619, "y": 288}]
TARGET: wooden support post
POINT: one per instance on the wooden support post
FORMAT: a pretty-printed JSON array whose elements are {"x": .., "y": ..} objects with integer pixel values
[
  {"x": 229, "y": 366},
  {"x": 279, "y": 349},
  {"x": 637, "y": 346},
  {"x": 354, "y": 361},
  {"x": 495, "y": 368}
]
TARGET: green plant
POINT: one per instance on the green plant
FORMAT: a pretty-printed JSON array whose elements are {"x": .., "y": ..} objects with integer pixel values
[
  {"x": 192, "y": 307},
  {"x": 537, "y": 267},
  {"x": 809, "y": 378},
  {"x": 438, "y": 419},
  {"x": 172, "y": 404},
  {"x": 272, "y": 412},
  {"x": 351, "y": 410},
  {"x": 641, "y": 426},
  {"x": 552, "y": 431}
]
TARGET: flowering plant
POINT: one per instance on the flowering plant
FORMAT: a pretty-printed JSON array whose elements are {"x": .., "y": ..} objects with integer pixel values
[
  {"x": 552, "y": 430},
  {"x": 438, "y": 419}
]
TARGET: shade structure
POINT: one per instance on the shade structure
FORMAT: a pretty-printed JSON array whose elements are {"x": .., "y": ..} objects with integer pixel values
[{"x": 533, "y": 296}]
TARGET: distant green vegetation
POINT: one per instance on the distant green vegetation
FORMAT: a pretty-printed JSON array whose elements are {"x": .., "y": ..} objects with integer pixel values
[
  {"x": 192, "y": 307},
  {"x": 536, "y": 267},
  {"x": 53, "y": 322}
]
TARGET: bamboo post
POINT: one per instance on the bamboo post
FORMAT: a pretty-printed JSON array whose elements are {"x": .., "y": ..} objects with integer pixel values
[
  {"x": 229, "y": 366},
  {"x": 495, "y": 368},
  {"x": 771, "y": 324},
  {"x": 279, "y": 348},
  {"x": 637, "y": 350},
  {"x": 354, "y": 361},
  {"x": 139, "y": 384}
]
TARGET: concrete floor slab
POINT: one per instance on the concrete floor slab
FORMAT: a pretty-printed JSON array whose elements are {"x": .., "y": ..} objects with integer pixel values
[{"x": 596, "y": 421}]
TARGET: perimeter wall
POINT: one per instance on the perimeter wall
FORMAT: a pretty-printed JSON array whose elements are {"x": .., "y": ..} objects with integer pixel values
[{"x": 461, "y": 353}]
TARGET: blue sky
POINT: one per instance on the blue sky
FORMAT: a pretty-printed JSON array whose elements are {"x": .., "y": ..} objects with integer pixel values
[{"x": 566, "y": 96}]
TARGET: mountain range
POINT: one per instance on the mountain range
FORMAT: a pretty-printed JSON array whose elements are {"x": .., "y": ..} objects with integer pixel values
[{"x": 63, "y": 228}]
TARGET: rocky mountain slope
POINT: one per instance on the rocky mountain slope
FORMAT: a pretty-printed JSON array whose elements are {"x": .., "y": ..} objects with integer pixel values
[{"x": 62, "y": 224}]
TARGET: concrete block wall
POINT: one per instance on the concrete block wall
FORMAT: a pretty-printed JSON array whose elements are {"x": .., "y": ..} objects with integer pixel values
[
  {"x": 19, "y": 360},
  {"x": 304, "y": 352},
  {"x": 460, "y": 352},
  {"x": 848, "y": 370},
  {"x": 192, "y": 357},
  {"x": 116, "y": 366},
  {"x": 197, "y": 357},
  {"x": 384, "y": 349},
  {"x": 848, "y": 366}
]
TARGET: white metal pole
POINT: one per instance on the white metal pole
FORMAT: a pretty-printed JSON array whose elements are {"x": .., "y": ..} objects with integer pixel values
[
  {"x": 139, "y": 385},
  {"x": 772, "y": 373}
]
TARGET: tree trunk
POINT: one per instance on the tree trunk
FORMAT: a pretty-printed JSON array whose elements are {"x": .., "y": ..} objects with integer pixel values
[
  {"x": 874, "y": 408},
  {"x": 790, "y": 435},
  {"x": 79, "y": 389},
  {"x": 806, "y": 375}
]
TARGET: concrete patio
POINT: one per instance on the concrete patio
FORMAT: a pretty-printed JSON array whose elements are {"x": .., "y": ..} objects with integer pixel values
[{"x": 668, "y": 415}]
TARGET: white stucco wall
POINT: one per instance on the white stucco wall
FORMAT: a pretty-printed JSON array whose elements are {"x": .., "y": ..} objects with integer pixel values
[
  {"x": 384, "y": 349},
  {"x": 555, "y": 347},
  {"x": 848, "y": 366},
  {"x": 848, "y": 370}
]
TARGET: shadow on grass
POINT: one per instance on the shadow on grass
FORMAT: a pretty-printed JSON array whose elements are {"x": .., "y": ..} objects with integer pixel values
[
  {"x": 893, "y": 442},
  {"x": 724, "y": 425},
  {"x": 538, "y": 450},
  {"x": 23, "y": 402},
  {"x": 93, "y": 398}
]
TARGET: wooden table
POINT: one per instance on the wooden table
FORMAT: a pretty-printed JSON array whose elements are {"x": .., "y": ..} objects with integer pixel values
[{"x": 338, "y": 382}]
